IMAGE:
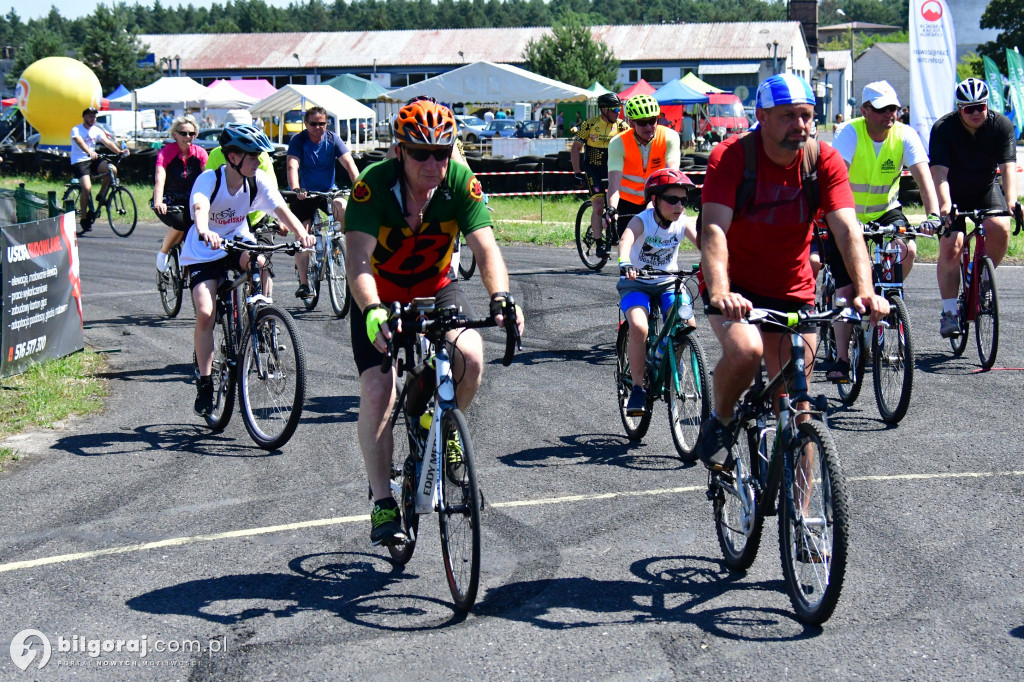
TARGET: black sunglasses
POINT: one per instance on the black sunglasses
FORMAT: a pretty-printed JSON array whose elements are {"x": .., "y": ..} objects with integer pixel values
[
  {"x": 645, "y": 121},
  {"x": 973, "y": 108},
  {"x": 422, "y": 155},
  {"x": 672, "y": 199},
  {"x": 892, "y": 108},
  {"x": 317, "y": 124},
  {"x": 186, "y": 133}
]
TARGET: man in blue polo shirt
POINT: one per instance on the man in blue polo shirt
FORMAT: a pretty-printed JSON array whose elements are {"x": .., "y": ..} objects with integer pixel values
[{"x": 310, "y": 166}]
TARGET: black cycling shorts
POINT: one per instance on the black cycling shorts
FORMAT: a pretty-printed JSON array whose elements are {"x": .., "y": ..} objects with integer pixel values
[
  {"x": 783, "y": 305},
  {"x": 835, "y": 259},
  {"x": 991, "y": 199},
  {"x": 86, "y": 167},
  {"x": 305, "y": 209},
  {"x": 178, "y": 220},
  {"x": 597, "y": 180},
  {"x": 218, "y": 270},
  {"x": 369, "y": 358}
]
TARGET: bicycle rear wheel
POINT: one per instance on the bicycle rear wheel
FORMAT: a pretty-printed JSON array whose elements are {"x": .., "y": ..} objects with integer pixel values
[
  {"x": 459, "y": 515},
  {"x": 337, "y": 280},
  {"x": 224, "y": 377},
  {"x": 121, "y": 212},
  {"x": 313, "y": 278},
  {"x": 272, "y": 377},
  {"x": 169, "y": 284},
  {"x": 467, "y": 261},
  {"x": 738, "y": 527},
  {"x": 892, "y": 350},
  {"x": 959, "y": 342},
  {"x": 813, "y": 524},
  {"x": 403, "y": 481},
  {"x": 69, "y": 202},
  {"x": 688, "y": 395},
  {"x": 986, "y": 323},
  {"x": 849, "y": 391},
  {"x": 586, "y": 242},
  {"x": 636, "y": 427}
]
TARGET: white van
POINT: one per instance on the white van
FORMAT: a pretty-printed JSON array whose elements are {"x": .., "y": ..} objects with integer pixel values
[{"x": 124, "y": 123}]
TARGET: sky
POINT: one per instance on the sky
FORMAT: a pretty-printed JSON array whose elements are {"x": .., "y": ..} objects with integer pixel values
[{"x": 72, "y": 9}]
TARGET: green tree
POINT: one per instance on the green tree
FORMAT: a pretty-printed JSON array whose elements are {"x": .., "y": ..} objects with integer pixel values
[
  {"x": 970, "y": 65},
  {"x": 571, "y": 55},
  {"x": 41, "y": 43},
  {"x": 112, "y": 50},
  {"x": 1007, "y": 15}
]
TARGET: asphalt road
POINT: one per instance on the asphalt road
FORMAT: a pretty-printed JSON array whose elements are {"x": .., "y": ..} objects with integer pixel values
[{"x": 599, "y": 556}]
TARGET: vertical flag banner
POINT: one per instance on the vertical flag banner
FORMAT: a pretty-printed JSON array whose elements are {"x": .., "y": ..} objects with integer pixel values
[
  {"x": 1015, "y": 70},
  {"x": 995, "y": 86},
  {"x": 932, "y": 64}
]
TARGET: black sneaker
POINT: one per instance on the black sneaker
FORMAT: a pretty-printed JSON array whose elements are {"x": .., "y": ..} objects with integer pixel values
[
  {"x": 87, "y": 222},
  {"x": 635, "y": 406},
  {"x": 204, "y": 397},
  {"x": 386, "y": 524},
  {"x": 602, "y": 248},
  {"x": 303, "y": 291},
  {"x": 811, "y": 551},
  {"x": 714, "y": 445}
]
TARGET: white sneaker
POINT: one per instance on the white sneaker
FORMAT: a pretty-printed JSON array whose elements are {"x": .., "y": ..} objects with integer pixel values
[{"x": 161, "y": 261}]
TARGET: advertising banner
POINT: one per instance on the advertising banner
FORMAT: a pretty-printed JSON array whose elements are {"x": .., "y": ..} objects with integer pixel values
[
  {"x": 932, "y": 64},
  {"x": 995, "y": 86},
  {"x": 1015, "y": 71},
  {"x": 41, "y": 293}
]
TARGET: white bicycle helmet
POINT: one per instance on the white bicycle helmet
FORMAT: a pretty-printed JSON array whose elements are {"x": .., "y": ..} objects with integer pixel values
[{"x": 971, "y": 91}]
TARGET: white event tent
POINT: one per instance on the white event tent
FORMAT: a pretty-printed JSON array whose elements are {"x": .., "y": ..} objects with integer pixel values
[
  {"x": 169, "y": 92},
  {"x": 301, "y": 97},
  {"x": 490, "y": 83}
]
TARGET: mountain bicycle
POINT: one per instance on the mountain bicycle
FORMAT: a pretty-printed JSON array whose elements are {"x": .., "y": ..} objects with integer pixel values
[
  {"x": 256, "y": 348},
  {"x": 676, "y": 370},
  {"x": 849, "y": 390},
  {"x": 586, "y": 242},
  {"x": 792, "y": 469},
  {"x": 327, "y": 262},
  {"x": 977, "y": 299},
  {"x": 118, "y": 200},
  {"x": 437, "y": 471}
]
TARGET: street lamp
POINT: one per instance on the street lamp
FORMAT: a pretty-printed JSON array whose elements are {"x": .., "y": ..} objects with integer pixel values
[
  {"x": 775, "y": 57},
  {"x": 853, "y": 54}
]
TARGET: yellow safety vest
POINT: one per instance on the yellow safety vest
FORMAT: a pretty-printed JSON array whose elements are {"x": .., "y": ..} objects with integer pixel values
[{"x": 875, "y": 180}]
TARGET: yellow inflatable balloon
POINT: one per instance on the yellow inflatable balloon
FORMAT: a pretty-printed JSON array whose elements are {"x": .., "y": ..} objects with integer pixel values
[{"x": 52, "y": 93}]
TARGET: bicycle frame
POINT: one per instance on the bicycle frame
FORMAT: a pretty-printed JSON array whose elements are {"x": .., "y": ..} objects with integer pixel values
[
  {"x": 659, "y": 370},
  {"x": 970, "y": 260},
  {"x": 428, "y": 481}
]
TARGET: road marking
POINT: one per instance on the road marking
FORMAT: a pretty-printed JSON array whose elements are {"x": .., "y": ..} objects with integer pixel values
[{"x": 315, "y": 523}]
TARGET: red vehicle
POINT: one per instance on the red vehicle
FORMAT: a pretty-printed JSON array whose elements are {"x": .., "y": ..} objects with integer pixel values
[{"x": 725, "y": 117}]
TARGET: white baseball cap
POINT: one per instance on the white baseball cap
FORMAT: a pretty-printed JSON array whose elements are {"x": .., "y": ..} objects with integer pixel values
[
  {"x": 879, "y": 95},
  {"x": 238, "y": 116}
]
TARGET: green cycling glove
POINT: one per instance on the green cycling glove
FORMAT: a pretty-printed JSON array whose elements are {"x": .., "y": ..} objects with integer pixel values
[{"x": 376, "y": 315}]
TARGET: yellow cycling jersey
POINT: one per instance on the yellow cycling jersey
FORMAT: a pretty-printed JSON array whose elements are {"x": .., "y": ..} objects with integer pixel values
[{"x": 596, "y": 133}]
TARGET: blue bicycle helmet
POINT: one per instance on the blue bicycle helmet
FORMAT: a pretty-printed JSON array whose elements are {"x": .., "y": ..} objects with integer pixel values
[{"x": 245, "y": 137}]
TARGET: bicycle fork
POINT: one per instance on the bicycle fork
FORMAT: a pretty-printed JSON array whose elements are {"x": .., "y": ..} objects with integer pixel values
[{"x": 428, "y": 490}]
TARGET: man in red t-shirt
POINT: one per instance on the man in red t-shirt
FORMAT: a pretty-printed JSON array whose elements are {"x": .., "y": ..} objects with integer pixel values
[{"x": 757, "y": 255}]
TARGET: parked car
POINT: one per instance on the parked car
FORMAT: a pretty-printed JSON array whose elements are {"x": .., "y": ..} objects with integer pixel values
[
  {"x": 209, "y": 138},
  {"x": 530, "y": 129},
  {"x": 499, "y": 127},
  {"x": 470, "y": 127}
]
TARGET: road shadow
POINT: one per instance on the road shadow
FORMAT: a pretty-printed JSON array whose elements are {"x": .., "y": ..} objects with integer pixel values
[
  {"x": 362, "y": 588},
  {"x": 330, "y": 409},
  {"x": 1018, "y": 632},
  {"x": 677, "y": 589},
  {"x": 944, "y": 364},
  {"x": 173, "y": 438},
  {"x": 599, "y": 354},
  {"x": 181, "y": 372},
  {"x": 597, "y": 448}
]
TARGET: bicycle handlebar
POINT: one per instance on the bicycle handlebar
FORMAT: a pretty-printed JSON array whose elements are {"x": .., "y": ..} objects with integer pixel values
[
  {"x": 238, "y": 246},
  {"x": 980, "y": 215},
  {"x": 873, "y": 229},
  {"x": 312, "y": 194},
  {"x": 767, "y": 316}
]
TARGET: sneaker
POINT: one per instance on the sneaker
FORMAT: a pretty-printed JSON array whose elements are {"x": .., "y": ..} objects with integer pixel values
[
  {"x": 602, "y": 249},
  {"x": 204, "y": 397},
  {"x": 386, "y": 524},
  {"x": 87, "y": 222},
  {"x": 453, "y": 459},
  {"x": 810, "y": 551},
  {"x": 714, "y": 445},
  {"x": 949, "y": 325},
  {"x": 161, "y": 261},
  {"x": 303, "y": 291},
  {"x": 637, "y": 403}
]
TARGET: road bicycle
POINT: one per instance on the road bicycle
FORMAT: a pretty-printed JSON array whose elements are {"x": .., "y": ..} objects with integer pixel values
[
  {"x": 118, "y": 201},
  {"x": 327, "y": 262},
  {"x": 465, "y": 257},
  {"x": 676, "y": 369},
  {"x": 170, "y": 283},
  {"x": 977, "y": 298},
  {"x": 256, "y": 348},
  {"x": 437, "y": 471},
  {"x": 792, "y": 470}
]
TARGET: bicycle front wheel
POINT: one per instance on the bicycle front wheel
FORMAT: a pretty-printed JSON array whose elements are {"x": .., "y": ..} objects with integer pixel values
[
  {"x": 169, "y": 284},
  {"x": 892, "y": 349},
  {"x": 688, "y": 395},
  {"x": 121, "y": 212},
  {"x": 813, "y": 524},
  {"x": 467, "y": 261},
  {"x": 986, "y": 323},
  {"x": 272, "y": 378},
  {"x": 459, "y": 515},
  {"x": 849, "y": 391},
  {"x": 738, "y": 525},
  {"x": 224, "y": 377},
  {"x": 586, "y": 242},
  {"x": 337, "y": 280},
  {"x": 70, "y": 204},
  {"x": 403, "y": 481},
  {"x": 636, "y": 427}
]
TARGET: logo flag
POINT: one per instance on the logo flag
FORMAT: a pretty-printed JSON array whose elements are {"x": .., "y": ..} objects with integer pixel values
[
  {"x": 932, "y": 64},
  {"x": 1015, "y": 69},
  {"x": 995, "y": 86}
]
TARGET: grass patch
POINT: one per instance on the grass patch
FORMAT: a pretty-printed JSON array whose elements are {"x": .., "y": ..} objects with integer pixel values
[
  {"x": 43, "y": 184},
  {"x": 49, "y": 392},
  {"x": 528, "y": 220}
]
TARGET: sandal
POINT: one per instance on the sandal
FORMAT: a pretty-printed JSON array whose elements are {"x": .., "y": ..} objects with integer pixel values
[{"x": 840, "y": 372}]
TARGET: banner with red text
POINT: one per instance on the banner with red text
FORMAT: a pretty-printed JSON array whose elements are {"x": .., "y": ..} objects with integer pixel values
[{"x": 932, "y": 64}]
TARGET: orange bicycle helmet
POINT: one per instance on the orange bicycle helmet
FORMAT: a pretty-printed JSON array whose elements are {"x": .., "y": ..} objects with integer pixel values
[{"x": 425, "y": 122}]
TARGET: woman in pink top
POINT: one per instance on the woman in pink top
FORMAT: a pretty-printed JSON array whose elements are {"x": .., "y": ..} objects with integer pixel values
[{"x": 178, "y": 165}]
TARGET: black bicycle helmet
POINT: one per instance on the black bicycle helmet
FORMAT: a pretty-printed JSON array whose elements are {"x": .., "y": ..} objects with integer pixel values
[
  {"x": 245, "y": 137},
  {"x": 971, "y": 91},
  {"x": 609, "y": 100}
]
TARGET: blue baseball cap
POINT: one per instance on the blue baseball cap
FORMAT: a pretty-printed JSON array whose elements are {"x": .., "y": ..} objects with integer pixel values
[{"x": 785, "y": 88}]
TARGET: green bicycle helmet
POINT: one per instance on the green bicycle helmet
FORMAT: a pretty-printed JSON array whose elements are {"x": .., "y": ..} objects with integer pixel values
[{"x": 642, "y": 106}]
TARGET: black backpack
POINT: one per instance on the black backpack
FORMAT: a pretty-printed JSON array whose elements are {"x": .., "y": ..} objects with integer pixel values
[{"x": 251, "y": 182}]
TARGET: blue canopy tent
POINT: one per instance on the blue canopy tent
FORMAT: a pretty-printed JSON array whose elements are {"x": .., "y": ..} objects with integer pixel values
[
  {"x": 121, "y": 91},
  {"x": 673, "y": 96}
]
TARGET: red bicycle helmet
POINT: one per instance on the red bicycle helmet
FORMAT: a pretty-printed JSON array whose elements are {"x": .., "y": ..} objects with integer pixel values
[
  {"x": 664, "y": 178},
  {"x": 425, "y": 122}
]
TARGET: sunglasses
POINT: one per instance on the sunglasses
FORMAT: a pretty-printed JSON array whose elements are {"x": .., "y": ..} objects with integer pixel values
[
  {"x": 422, "y": 155},
  {"x": 974, "y": 108},
  {"x": 645, "y": 121},
  {"x": 615, "y": 109},
  {"x": 317, "y": 124},
  {"x": 672, "y": 199},
  {"x": 891, "y": 109},
  {"x": 186, "y": 133}
]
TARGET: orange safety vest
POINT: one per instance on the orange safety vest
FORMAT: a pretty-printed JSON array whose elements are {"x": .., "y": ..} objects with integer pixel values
[{"x": 634, "y": 174}]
